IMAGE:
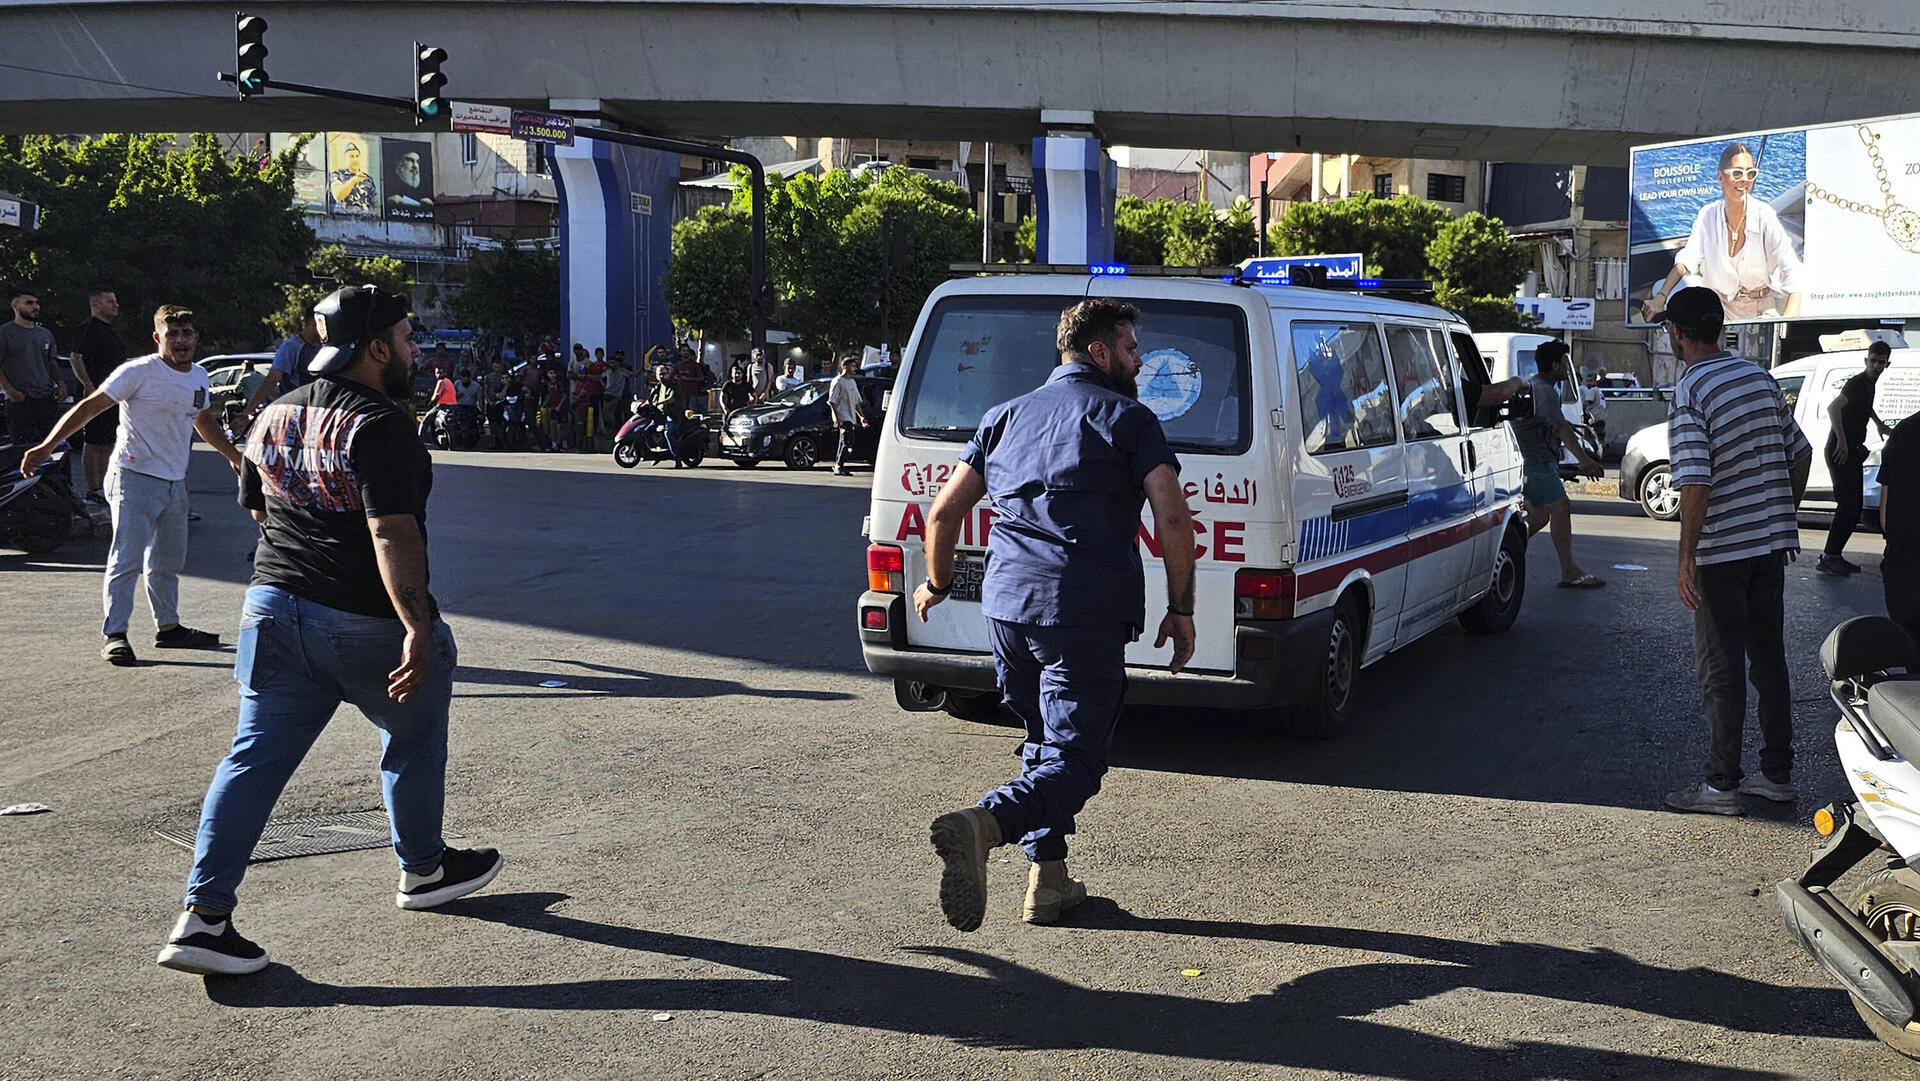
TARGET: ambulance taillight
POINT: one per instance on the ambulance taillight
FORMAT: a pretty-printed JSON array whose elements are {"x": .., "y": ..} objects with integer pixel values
[
  {"x": 886, "y": 568},
  {"x": 1263, "y": 594}
]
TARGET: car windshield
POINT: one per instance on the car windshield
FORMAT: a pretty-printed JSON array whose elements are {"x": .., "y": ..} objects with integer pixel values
[
  {"x": 804, "y": 394},
  {"x": 979, "y": 351}
]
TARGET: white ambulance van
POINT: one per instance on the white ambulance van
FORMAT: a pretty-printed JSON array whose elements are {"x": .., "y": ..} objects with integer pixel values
[{"x": 1344, "y": 504}]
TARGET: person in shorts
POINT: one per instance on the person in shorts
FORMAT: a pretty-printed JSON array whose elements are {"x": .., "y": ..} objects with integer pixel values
[{"x": 1541, "y": 435}]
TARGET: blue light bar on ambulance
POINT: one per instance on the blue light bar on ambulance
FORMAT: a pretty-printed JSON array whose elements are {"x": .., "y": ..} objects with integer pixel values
[{"x": 1108, "y": 270}]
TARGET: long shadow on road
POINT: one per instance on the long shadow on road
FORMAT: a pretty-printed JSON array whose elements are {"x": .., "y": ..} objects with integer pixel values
[
  {"x": 1316, "y": 1022},
  {"x": 611, "y": 681}
]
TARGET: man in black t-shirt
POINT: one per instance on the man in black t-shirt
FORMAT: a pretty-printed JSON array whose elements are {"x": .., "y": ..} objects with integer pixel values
[
  {"x": 1900, "y": 524},
  {"x": 1847, "y": 456},
  {"x": 97, "y": 351},
  {"x": 338, "y": 612}
]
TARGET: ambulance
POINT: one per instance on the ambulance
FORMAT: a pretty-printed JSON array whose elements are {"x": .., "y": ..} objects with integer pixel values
[{"x": 1343, "y": 502}]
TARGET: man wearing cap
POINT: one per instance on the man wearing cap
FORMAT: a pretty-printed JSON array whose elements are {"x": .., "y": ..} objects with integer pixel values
[
  {"x": 163, "y": 400},
  {"x": 338, "y": 612},
  {"x": 1740, "y": 463}
]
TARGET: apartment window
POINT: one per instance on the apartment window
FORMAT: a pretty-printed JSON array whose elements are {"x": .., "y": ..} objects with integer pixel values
[
  {"x": 1383, "y": 185},
  {"x": 539, "y": 156},
  {"x": 469, "y": 148},
  {"x": 1446, "y": 188},
  {"x": 928, "y": 164}
]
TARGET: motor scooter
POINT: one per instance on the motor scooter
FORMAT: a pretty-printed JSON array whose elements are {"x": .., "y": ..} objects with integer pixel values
[
  {"x": 644, "y": 435},
  {"x": 1869, "y": 943},
  {"x": 36, "y": 513},
  {"x": 457, "y": 427}
]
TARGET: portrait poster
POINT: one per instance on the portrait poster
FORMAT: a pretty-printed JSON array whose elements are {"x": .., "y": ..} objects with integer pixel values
[
  {"x": 353, "y": 162},
  {"x": 309, "y": 169},
  {"x": 408, "y": 187},
  {"x": 1814, "y": 223}
]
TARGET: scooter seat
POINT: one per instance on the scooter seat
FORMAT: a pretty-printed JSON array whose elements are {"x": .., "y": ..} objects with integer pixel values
[
  {"x": 1894, "y": 706},
  {"x": 1867, "y": 644}
]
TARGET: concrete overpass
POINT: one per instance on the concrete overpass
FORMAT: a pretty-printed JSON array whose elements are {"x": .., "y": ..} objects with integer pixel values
[
  {"x": 1519, "y": 80},
  {"x": 1515, "y": 80}
]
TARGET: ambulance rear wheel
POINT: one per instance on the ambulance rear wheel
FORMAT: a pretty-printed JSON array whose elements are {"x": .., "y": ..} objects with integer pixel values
[
  {"x": 1327, "y": 709},
  {"x": 1496, "y": 611}
]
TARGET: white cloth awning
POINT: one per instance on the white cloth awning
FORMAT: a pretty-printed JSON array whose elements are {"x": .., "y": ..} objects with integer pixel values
[{"x": 725, "y": 180}]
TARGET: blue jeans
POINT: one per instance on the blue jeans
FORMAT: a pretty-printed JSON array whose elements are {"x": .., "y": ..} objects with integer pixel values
[
  {"x": 1065, "y": 684},
  {"x": 296, "y": 662},
  {"x": 149, "y": 539}
]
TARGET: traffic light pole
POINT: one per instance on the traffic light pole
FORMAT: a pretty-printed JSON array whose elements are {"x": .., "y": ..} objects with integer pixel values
[{"x": 758, "y": 258}]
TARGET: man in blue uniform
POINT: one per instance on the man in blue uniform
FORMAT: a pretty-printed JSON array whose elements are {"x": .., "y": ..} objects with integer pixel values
[{"x": 1067, "y": 467}]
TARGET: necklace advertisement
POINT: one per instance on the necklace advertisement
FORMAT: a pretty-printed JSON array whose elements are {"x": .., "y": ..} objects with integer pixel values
[{"x": 1805, "y": 223}]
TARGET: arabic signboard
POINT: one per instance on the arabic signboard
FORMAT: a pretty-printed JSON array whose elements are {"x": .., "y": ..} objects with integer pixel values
[
  {"x": 474, "y": 116},
  {"x": 550, "y": 128},
  {"x": 1558, "y": 313},
  {"x": 10, "y": 212},
  {"x": 1276, "y": 268},
  {"x": 1805, "y": 223}
]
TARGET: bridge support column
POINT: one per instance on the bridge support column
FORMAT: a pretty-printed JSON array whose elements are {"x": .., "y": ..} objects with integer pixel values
[
  {"x": 1074, "y": 182},
  {"x": 616, "y": 220}
]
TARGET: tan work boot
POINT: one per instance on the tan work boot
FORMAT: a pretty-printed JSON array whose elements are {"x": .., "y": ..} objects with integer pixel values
[
  {"x": 962, "y": 839},
  {"x": 1050, "y": 891}
]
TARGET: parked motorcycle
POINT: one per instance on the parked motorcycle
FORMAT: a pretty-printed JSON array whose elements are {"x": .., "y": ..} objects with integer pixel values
[
  {"x": 644, "y": 436},
  {"x": 1870, "y": 942},
  {"x": 459, "y": 428},
  {"x": 36, "y": 513},
  {"x": 518, "y": 423}
]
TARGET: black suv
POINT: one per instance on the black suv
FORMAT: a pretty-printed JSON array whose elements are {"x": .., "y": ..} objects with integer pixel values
[{"x": 795, "y": 426}]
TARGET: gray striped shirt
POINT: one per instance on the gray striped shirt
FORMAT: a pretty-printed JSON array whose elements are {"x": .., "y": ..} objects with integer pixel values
[{"x": 1731, "y": 429}]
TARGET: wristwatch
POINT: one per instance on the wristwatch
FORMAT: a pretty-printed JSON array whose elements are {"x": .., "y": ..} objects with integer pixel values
[{"x": 938, "y": 591}]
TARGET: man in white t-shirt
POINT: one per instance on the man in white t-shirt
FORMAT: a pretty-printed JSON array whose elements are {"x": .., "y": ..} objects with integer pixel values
[
  {"x": 163, "y": 400},
  {"x": 843, "y": 398}
]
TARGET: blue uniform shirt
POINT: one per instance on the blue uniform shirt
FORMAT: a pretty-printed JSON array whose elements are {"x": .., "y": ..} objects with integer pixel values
[{"x": 1064, "y": 467}]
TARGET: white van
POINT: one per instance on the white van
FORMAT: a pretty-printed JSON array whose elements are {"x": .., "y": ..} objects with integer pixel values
[
  {"x": 1342, "y": 506},
  {"x": 1510, "y": 353},
  {"x": 1810, "y": 385}
]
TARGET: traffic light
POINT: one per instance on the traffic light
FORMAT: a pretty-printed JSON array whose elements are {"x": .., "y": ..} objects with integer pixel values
[
  {"x": 427, "y": 81},
  {"x": 899, "y": 249},
  {"x": 249, "y": 54},
  {"x": 876, "y": 293}
]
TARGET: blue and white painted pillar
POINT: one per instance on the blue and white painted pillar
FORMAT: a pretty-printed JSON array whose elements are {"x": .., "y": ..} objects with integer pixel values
[
  {"x": 1074, "y": 184},
  {"x": 616, "y": 221}
]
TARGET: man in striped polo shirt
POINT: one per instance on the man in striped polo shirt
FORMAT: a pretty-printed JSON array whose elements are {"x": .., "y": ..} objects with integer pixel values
[{"x": 1740, "y": 463}]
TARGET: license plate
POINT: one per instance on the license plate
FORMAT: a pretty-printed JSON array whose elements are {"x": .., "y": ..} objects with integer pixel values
[{"x": 968, "y": 572}]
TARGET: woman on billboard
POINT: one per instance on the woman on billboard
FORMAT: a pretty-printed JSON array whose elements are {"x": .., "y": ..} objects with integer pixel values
[{"x": 1737, "y": 248}]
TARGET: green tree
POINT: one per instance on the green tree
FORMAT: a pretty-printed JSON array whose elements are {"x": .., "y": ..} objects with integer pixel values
[
  {"x": 328, "y": 269},
  {"x": 1476, "y": 267},
  {"x": 1200, "y": 236},
  {"x": 709, "y": 279},
  {"x": 1393, "y": 234},
  {"x": 157, "y": 223},
  {"x": 823, "y": 252},
  {"x": 512, "y": 294}
]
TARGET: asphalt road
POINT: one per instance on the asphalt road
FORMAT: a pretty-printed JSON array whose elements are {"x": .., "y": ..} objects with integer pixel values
[{"x": 720, "y": 821}]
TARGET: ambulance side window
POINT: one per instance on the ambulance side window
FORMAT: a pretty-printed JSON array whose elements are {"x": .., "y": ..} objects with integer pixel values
[
  {"x": 1426, "y": 390},
  {"x": 1342, "y": 373},
  {"x": 1474, "y": 374}
]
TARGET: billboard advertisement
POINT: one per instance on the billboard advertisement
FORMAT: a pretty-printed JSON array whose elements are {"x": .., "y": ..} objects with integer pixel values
[
  {"x": 408, "y": 180},
  {"x": 1803, "y": 223},
  {"x": 355, "y": 162}
]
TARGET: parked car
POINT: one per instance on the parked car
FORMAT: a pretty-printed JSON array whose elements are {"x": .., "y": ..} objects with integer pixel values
[
  {"x": 796, "y": 427},
  {"x": 1645, "y": 472}
]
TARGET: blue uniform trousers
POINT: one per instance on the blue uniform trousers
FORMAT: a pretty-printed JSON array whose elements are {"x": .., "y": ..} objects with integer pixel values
[{"x": 1065, "y": 684}]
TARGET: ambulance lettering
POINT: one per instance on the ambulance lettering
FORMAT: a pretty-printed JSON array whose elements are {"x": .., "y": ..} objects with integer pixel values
[{"x": 1347, "y": 483}]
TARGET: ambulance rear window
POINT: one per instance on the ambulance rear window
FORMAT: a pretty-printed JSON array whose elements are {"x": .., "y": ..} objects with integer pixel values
[{"x": 980, "y": 351}]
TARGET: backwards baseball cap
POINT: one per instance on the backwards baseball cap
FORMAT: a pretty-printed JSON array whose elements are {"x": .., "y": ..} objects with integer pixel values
[
  {"x": 348, "y": 317},
  {"x": 1696, "y": 308}
]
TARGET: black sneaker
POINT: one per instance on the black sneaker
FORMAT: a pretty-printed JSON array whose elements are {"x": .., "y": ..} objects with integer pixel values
[
  {"x": 1833, "y": 565},
  {"x": 209, "y": 946},
  {"x": 461, "y": 871},
  {"x": 117, "y": 652},
  {"x": 185, "y": 638}
]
